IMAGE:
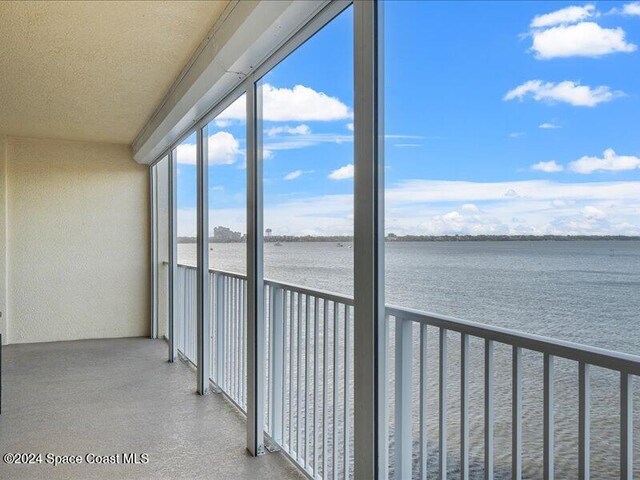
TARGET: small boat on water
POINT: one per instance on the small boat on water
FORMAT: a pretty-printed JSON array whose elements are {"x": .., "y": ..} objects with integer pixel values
[
  {"x": 277, "y": 244},
  {"x": 340, "y": 245}
]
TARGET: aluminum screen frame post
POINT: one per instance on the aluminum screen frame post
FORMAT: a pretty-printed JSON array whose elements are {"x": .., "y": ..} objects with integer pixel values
[
  {"x": 173, "y": 257},
  {"x": 203, "y": 309},
  {"x": 255, "y": 280},
  {"x": 153, "y": 257},
  {"x": 370, "y": 425}
]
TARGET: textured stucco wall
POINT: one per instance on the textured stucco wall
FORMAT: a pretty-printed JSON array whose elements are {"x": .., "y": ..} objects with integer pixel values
[
  {"x": 78, "y": 241},
  {"x": 3, "y": 239}
]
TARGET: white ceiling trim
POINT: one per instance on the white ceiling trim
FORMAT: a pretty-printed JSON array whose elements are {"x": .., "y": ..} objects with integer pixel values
[{"x": 246, "y": 35}]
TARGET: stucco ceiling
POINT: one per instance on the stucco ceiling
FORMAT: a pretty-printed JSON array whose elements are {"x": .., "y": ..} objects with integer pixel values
[{"x": 93, "y": 71}]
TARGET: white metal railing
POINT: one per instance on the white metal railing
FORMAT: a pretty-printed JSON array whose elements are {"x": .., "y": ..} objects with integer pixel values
[
  {"x": 310, "y": 381},
  {"x": 186, "y": 306}
]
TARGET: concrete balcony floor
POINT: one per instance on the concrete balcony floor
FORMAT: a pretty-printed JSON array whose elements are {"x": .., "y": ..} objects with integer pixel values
[{"x": 120, "y": 396}]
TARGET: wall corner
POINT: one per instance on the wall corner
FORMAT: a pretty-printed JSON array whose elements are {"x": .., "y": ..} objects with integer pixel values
[{"x": 4, "y": 315}]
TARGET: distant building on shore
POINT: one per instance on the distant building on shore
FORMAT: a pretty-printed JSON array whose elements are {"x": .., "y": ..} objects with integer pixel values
[{"x": 225, "y": 235}]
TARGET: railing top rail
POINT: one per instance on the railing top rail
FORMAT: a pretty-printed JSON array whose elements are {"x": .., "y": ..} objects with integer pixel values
[
  {"x": 600, "y": 357},
  {"x": 314, "y": 292}
]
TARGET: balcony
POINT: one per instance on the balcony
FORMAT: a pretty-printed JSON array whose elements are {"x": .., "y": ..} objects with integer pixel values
[{"x": 453, "y": 191}]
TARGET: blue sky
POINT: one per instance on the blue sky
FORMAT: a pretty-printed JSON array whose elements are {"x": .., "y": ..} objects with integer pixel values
[{"x": 500, "y": 117}]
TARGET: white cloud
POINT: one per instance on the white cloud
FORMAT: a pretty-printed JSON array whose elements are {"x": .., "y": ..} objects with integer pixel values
[
  {"x": 297, "y": 130},
  {"x": 632, "y": 8},
  {"x": 297, "y": 104},
  {"x": 592, "y": 213},
  {"x": 293, "y": 142},
  {"x": 221, "y": 123},
  {"x": 563, "y": 16},
  {"x": 223, "y": 149},
  {"x": 296, "y": 174},
  {"x": 569, "y": 92},
  {"x": 516, "y": 134},
  {"x": 293, "y": 175},
  {"x": 586, "y": 39},
  {"x": 419, "y": 190},
  {"x": 422, "y": 206},
  {"x": 532, "y": 207},
  {"x": 186, "y": 153},
  {"x": 629, "y": 9},
  {"x": 350, "y": 126},
  {"x": 470, "y": 207},
  {"x": 407, "y": 145},
  {"x": 342, "y": 173},
  {"x": 610, "y": 162},
  {"x": 548, "y": 167},
  {"x": 548, "y": 126}
]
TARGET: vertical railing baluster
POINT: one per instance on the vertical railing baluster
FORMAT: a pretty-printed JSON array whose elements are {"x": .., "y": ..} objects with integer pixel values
[
  {"x": 584, "y": 422},
  {"x": 227, "y": 316},
  {"x": 464, "y": 406},
  {"x": 192, "y": 315},
  {"x": 548, "y": 433},
  {"x": 183, "y": 306},
  {"x": 187, "y": 342},
  {"x": 236, "y": 308},
  {"x": 236, "y": 338},
  {"x": 187, "y": 321},
  {"x": 316, "y": 345},
  {"x": 185, "y": 313},
  {"x": 299, "y": 381},
  {"x": 225, "y": 337},
  {"x": 488, "y": 410},
  {"x": 214, "y": 330},
  {"x": 336, "y": 372},
  {"x": 347, "y": 388},
  {"x": 307, "y": 374},
  {"x": 442, "y": 414},
  {"x": 234, "y": 319},
  {"x": 180, "y": 308},
  {"x": 403, "y": 417},
  {"x": 423, "y": 402},
  {"x": 229, "y": 320},
  {"x": 240, "y": 342},
  {"x": 223, "y": 333},
  {"x": 325, "y": 389},
  {"x": 291, "y": 318},
  {"x": 239, "y": 323},
  {"x": 268, "y": 315},
  {"x": 283, "y": 295},
  {"x": 276, "y": 358},
  {"x": 516, "y": 414},
  {"x": 244, "y": 343},
  {"x": 231, "y": 334},
  {"x": 626, "y": 426}
]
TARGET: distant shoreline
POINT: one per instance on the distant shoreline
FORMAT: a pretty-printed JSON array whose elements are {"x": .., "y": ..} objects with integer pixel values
[{"x": 426, "y": 238}]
